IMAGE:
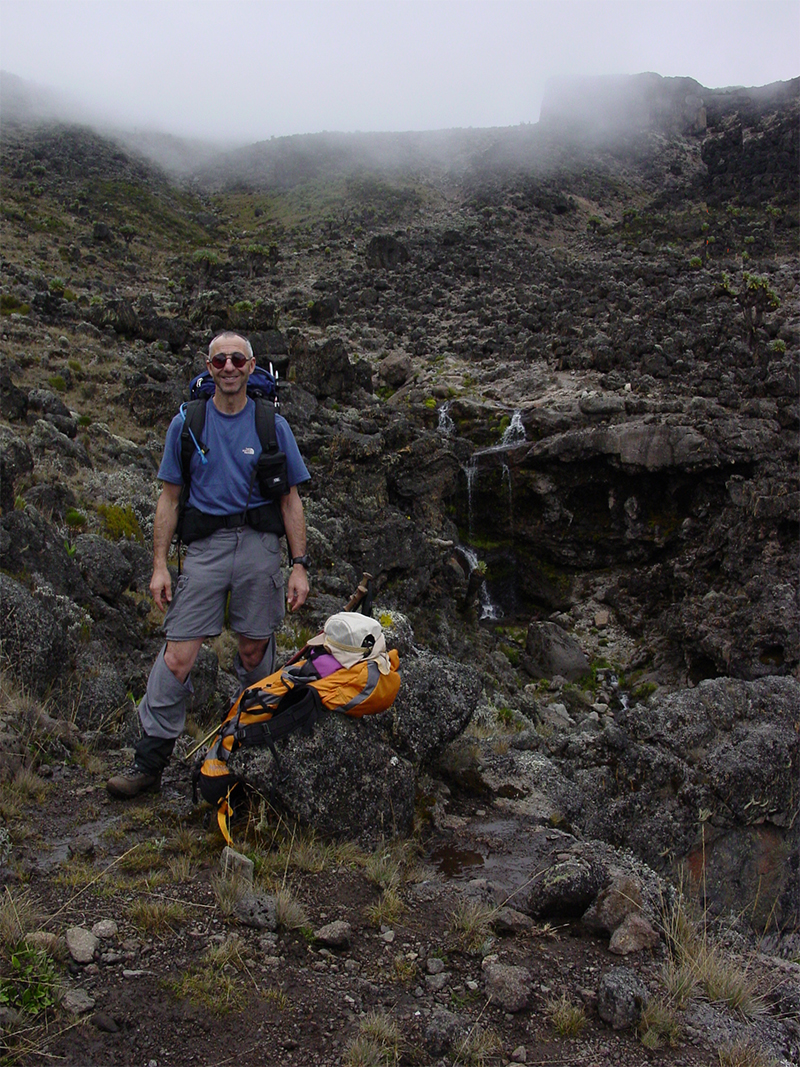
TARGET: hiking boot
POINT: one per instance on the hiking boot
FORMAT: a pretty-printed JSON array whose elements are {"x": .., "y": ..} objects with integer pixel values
[{"x": 133, "y": 782}]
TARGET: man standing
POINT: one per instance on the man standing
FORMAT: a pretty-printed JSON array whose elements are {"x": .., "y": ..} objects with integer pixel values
[{"x": 234, "y": 548}]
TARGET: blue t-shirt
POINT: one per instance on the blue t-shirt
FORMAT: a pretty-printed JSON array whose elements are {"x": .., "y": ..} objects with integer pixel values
[{"x": 221, "y": 485}]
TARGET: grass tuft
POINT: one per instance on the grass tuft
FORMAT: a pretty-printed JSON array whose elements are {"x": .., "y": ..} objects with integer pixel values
[
  {"x": 216, "y": 983},
  {"x": 383, "y": 869},
  {"x": 289, "y": 912},
  {"x": 567, "y": 1019},
  {"x": 18, "y": 917},
  {"x": 697, "y": 964},
  {"x": 377, "y": 1043},
  {"x": 387, "y": 910},
  {"x": 745, "y": 1054},
  {"x": 228, "y": 891},
  {"x": 471, "y": 924},
  {"x": 477, "y": 1048},
  {"x": 659, "y": 1025},
  {"x": 156, "y": 916}
]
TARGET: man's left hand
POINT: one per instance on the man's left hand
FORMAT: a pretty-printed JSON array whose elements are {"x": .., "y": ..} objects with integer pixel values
[{"x": 297, "y": 588}]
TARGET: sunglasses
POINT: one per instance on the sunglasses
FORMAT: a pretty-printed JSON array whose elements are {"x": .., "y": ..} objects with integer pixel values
[{"x": 236, "y": 358}]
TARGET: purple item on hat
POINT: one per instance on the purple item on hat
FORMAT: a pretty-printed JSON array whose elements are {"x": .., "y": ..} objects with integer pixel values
[{"x": 326, "y": 664}]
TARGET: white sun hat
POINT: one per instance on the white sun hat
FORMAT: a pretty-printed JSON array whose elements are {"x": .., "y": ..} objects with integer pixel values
[{"x": 352, "y": 638}]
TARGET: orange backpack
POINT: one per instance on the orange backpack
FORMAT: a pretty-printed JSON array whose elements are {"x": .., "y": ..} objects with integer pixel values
[{"x": 291, "y": 699}]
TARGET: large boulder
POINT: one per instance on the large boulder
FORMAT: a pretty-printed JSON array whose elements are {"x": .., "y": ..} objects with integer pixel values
[
  {"x": 37, "y": 634},
  {"x": 342, "y": 780},
  {"x": 325, "y": 370},
  {"x": 706, "y": 776},
  {"x": 15, "y": 461},
  {"x": 547, "y": 873},
  {"x": 104, "y": 567},
  {"x": 386, "y": 252},
  {"x": 31, "y": 545},
  {"x": 13, "y": 400},
  {"x": 436, "y": 701},
  {"x": 357, "y": 778},
  {"x": 550, "y": 651}
]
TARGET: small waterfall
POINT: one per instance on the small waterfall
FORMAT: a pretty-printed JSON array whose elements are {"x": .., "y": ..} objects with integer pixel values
[
  {"x": 470, "y": 473},
  {"x": 489, "y": 609},
  {"x": 446, "y": 426},
  {"x": 502, "y": 506},
  {"x": 514, "y": 433}
]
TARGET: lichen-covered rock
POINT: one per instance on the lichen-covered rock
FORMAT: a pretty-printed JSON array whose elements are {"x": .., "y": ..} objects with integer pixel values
[
  {"x": 34, "y": 634},
  {"x": 708, "y": 775},
  {"x": 550, "y": 651},
  {"x": 621, "y": 998},
  {"x": 507, "y": 986},
  {"x": 437, "y": 698},
  {"x": 15, "y": 461},
  {"x": 343, "y": 780},
  {"x": 104, "y": 567}
]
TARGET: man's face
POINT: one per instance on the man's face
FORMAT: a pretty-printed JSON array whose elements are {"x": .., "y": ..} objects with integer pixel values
[{"x": 229, "y": 379}]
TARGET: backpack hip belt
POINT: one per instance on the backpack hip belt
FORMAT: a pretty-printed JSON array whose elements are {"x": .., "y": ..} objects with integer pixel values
[{"x": 197, "y": 524}]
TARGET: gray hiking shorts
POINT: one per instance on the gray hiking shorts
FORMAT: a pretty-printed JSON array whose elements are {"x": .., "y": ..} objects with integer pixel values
[{"x": 242, "y": 562}]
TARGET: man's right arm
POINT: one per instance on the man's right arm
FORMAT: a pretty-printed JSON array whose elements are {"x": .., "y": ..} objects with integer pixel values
[{"x": 164, "y": 526}]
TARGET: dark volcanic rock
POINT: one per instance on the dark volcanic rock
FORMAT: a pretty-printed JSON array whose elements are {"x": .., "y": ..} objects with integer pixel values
[
  {"x": 35, "y": 634},
  {"x": 343, "y": 780},
  {"x": 15, "y": 461},
  {"x": 436, "y": 701}
]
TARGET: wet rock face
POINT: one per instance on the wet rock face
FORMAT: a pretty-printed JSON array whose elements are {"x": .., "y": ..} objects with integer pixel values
[{"x": 693, "y": 506}]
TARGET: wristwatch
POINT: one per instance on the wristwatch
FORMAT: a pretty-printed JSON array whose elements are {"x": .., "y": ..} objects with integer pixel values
[{"x": 302, "y": 560}]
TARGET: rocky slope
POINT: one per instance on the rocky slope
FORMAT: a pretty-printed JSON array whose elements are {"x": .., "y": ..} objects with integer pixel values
[{"x": 546, "y": 382}]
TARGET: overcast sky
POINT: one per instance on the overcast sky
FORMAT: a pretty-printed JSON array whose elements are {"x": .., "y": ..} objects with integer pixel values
[{"x": 246, "y": 70}]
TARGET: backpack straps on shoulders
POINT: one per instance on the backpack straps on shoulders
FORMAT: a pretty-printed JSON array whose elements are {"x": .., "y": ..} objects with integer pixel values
[
  {"x": 265, "y": 424},
  {"x": 272, "y": 483},
  {"x": 193, "y": 414}
]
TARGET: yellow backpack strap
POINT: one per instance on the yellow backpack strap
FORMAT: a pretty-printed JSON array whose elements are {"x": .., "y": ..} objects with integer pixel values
[{"x": 224, "y": 818}]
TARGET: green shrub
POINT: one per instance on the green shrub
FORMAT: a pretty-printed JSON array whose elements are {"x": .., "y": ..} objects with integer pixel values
[
  {"x": 120, "y": 522},
  {"x": 74, "y": 519},
  {"x": 206, "y": 257},
  {"x": 11, "y": 305},
  {"x": 695, "y": 263},
  {"x": 57, "y": 382},
  {"x": 31, "y": 985},
  {"x": 643, "y": 691}
]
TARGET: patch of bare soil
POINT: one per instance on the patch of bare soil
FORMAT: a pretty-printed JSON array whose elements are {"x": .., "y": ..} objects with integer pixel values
[{"x": 175, "y": 979}]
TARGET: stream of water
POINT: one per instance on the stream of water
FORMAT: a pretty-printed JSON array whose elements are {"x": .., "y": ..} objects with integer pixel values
[{"x": 514, "y": 434}]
